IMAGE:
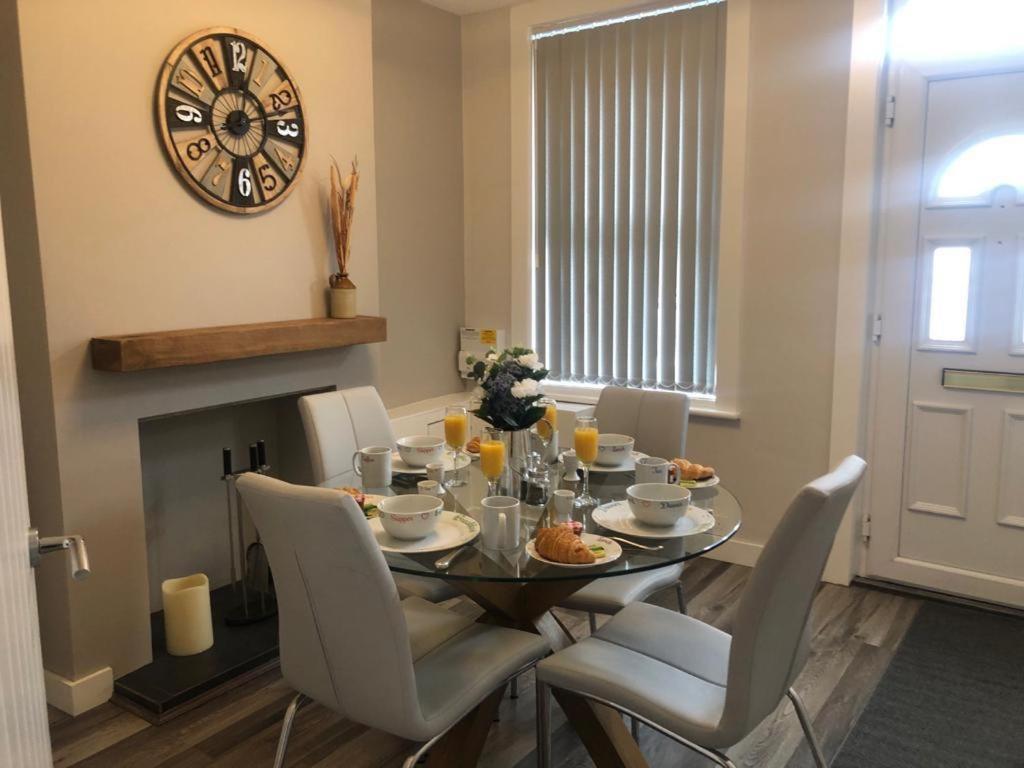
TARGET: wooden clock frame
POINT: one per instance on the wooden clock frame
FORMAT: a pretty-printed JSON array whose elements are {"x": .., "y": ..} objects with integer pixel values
[{"x": 165, "y": 92}]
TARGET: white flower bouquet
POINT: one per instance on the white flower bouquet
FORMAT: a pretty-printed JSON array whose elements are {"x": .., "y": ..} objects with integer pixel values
[{"x": 509, "y": 388}]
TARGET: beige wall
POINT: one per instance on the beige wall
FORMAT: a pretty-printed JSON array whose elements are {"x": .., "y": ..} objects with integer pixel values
[
  {"x": 120, "y": 246},
  {"x": 486, "y": 127},
  {"x": 418, "y": 116},
  {"x": 799, "y": 58}
]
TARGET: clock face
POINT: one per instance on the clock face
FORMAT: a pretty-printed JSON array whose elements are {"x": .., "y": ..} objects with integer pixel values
[{"x": 232, "y": 120}]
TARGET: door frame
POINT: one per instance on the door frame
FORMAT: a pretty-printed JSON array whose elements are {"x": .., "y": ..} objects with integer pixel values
[{"x": 888, "y": 406}]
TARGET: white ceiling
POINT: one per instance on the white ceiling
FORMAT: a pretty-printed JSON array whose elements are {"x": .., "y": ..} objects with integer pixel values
[{"x": 462, "y": 7}]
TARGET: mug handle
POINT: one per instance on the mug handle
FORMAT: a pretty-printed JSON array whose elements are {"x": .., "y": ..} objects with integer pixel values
[
  {"x": 502, "y": 532},
  {"x": 357, "y": 466},
  {"x": 673, "y": 473}
]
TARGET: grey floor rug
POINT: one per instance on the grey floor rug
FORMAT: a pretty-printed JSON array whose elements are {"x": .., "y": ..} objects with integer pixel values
[{"x": 952, "y": 696}]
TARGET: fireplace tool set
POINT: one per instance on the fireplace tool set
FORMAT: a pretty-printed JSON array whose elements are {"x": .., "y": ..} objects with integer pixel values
[{"x": 252, "y": 576}]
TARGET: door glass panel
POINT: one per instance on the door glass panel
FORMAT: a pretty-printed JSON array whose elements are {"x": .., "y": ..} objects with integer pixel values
[
  {"x": 950, "y": 292},
  {"x": 983, "y": 167}
]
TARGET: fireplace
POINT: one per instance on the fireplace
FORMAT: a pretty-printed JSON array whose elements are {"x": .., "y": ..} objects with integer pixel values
[{"x": 187, "y": 531}]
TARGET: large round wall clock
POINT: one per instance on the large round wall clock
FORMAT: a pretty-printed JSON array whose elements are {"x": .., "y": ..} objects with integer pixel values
[{"x": 232, "y": 120}]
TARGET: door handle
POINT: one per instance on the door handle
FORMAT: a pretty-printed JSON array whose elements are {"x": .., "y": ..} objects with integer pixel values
[{"x": 75, "y": 546}]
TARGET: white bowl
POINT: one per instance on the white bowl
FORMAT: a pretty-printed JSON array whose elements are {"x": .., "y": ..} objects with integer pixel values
[
  {"x": 658, "y": 503},
  {"x": 420, "y": 450},
  {"x": 409, "y": 517},
  {"x": 613, "y": 450}
]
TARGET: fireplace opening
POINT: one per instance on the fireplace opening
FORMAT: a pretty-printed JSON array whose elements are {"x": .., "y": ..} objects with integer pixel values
[{"x": 187, "y": 532}]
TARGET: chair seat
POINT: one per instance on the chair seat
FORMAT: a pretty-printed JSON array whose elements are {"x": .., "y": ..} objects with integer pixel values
[
  {"x": 662, "y": 665},
  {"x": 434, "y": 590},
  {"x": 613, "y": 593},
  {"x": 464, "y": 663}
]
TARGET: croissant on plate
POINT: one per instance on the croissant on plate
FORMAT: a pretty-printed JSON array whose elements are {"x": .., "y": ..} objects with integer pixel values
[
  {"x": 689, "y": 470},
  {"x": 561, "y": 545}
]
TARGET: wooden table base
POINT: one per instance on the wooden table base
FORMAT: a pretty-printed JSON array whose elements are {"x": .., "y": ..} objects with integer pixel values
[{"x": 528, "y": 606}]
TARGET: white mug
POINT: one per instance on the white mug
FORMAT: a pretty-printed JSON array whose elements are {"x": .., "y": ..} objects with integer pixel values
[
  {"x": 562, "y": 503},
  {"x": 435, "y": 471},
  {"x": 651, "y": 469},
  {"x": 499, "y": 527},
  {"x": 373, "y": 464}
]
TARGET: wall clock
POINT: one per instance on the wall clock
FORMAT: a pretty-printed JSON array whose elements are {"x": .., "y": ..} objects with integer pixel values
[{"x": 231, "y": 119}]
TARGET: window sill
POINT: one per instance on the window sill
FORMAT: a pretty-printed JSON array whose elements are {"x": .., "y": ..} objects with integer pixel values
[{"x": 704, "y": 408}]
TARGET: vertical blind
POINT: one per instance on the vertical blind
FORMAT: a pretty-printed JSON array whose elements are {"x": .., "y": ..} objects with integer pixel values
[{"x": 627, "y": 136}]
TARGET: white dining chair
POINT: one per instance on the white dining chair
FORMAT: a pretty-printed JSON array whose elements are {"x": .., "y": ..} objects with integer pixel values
[
  {"x": 350, "y": 643},
  {"x": 337, "y": 424},
  {"x": 697, "y": 684},
  {"x": 657, "y": 421}
]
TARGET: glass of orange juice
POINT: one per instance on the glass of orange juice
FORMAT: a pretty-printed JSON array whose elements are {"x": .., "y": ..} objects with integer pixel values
[
  {"x": 545, "y": 429},
  {"x": 492, "y": 458},
  {"x": 456, "y": 428},
  {"x": 585, "y": 443}
]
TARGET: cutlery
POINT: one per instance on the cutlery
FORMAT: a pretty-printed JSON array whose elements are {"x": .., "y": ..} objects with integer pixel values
[
  {"x": 444, "y": 563},
  {"x": 648, "y": 547}
]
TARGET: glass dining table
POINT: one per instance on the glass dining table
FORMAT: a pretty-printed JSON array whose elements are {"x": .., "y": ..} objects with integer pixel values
[
  {"x": 516, "y": 590},
  {"x": 476, "y": 563}
]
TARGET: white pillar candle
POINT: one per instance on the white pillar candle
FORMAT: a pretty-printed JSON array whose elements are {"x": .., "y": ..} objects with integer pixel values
[{"x": 188, "y": 624}]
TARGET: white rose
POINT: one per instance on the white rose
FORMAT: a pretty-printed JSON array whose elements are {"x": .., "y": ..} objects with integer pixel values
[
  {"x": 478, "y": 393},
  {"x": 492, "y": 357},
  {"x": 525, "y": 388},
  {"x": 530, "y": 361}
]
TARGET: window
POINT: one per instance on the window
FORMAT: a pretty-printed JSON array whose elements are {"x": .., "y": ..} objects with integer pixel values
[
  {"x": 948, "y": 292},
  {"x": 976, "y": 172},
  {"x": 626, "y": 144}
]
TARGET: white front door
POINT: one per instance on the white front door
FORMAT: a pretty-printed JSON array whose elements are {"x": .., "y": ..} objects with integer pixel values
[
  {"x": 948, "y": 497},
  {"x": 24, "y": 734}
]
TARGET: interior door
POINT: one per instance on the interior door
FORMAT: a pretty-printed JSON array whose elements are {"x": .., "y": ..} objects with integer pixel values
[
  {"x": 948, "y": 501},
  {"x": 24, "y": 735}
]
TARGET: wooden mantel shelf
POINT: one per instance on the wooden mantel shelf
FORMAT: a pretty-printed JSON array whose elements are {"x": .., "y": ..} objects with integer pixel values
[{"x": 167, "y": 349}]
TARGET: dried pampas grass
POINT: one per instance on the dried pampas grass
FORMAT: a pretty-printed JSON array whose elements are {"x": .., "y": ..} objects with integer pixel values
[{"x": 342, "y": 198}]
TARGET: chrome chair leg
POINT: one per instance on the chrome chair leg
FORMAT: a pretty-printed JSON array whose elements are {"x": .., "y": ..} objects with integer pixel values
[
  {"x": 805, "y": 723},
  {"x": 593, "y": 622},
  {"x": 513, "y": 688},
  {"x": 286, "y": 728},
  {"x": 680, "y": 598},
  {"x": 543, "y": 694}
]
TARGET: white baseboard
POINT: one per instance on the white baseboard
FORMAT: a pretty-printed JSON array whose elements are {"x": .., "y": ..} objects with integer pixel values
[
  {"x": 738, "y": 552},
  {"x": 746, "y": 553},
  {"x": 77, "y": 696}
]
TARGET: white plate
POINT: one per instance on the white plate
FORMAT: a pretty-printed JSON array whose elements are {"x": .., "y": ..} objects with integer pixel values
[
  {"x": 711, "y": 482},
  {"x": 612, "y": 552},
  {"x": 453, "y": 530},
  {"x": 617, "y": 516},
  {"x": 399, "y": 466},
  {"x": 627, "y": 466}
]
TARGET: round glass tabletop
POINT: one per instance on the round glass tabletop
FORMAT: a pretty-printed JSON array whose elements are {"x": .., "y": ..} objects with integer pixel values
[{"x": 478, "y": 563}]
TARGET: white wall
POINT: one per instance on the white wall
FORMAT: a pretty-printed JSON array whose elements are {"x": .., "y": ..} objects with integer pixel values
[{"x": 109, "y": 241}]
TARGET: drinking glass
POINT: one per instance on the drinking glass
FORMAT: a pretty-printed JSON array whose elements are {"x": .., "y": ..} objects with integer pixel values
[
  {"x": 585, "y": 443},
  {"x": 546, "y": 430},
  {"x": 492, "y": 458},
  {"x": 456, "y": 426}
]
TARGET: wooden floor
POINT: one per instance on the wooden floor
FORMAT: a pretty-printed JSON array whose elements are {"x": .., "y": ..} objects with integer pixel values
[{"x": 856, "y": 632}]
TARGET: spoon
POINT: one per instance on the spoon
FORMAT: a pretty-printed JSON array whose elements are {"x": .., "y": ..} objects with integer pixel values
[
  {"x": 648, "y": 547},
  {"x": 444, "y": 563}
]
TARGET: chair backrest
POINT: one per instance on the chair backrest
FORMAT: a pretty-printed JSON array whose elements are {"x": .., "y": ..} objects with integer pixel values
[
  {"x": 656, "y": 419},
  {"x": 344, "y": 640},
  {"x": 769, "y": 630},
  {"x": 337, "y": 424}
]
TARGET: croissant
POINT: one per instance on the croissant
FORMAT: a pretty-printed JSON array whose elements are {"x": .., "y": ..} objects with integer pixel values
[
  {"x": 561, "y": 545},
  {"x": 473, "y": 446},
  {"x": 689, "y": 470}
]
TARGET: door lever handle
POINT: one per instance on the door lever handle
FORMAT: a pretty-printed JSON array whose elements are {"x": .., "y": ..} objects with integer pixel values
[{"x": 75, "y": 546}]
